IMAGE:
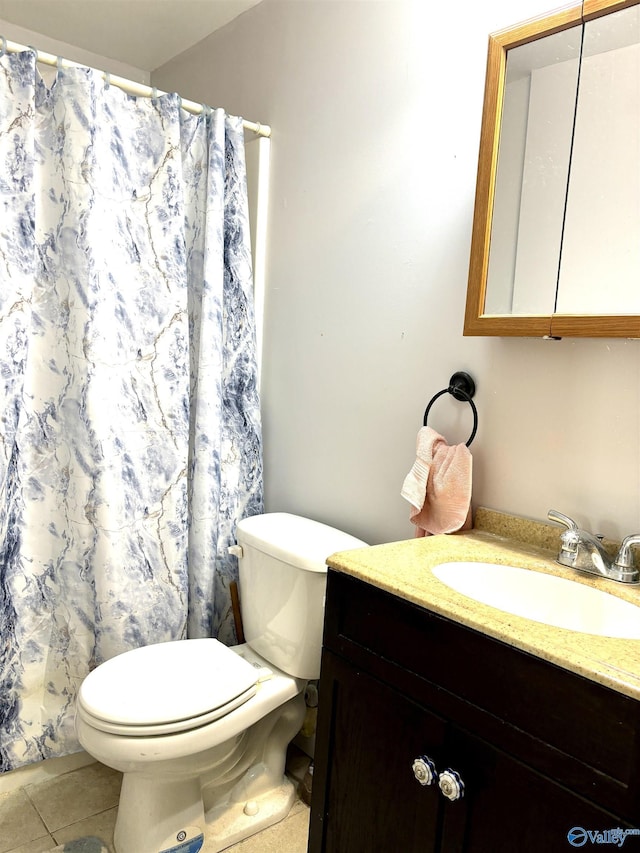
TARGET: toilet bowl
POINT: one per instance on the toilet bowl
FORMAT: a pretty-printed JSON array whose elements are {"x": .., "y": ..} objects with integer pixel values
[{"x": 200, "y": 730}]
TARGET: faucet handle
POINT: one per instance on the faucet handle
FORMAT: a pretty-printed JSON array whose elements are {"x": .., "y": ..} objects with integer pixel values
[
  {"x": 625, "y": 560},
  {"x": 569, "y": 539},
  {"x": 569, "y": 523}
]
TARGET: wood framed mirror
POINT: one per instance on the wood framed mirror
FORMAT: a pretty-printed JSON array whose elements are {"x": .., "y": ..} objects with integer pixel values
[{"x": 555, "y": 246}]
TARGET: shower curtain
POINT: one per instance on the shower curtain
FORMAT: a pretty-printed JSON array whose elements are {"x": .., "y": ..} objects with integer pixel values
[{"x": 129, "y": 430}]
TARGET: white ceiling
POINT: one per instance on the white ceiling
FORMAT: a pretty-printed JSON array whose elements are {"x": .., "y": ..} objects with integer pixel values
[{"x": 141, "y": 33}]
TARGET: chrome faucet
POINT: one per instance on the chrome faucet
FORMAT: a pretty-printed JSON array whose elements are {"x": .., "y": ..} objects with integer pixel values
[{"x": 585, "y": 552}]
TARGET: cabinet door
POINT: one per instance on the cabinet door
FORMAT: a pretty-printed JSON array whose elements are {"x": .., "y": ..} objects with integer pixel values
[
  {"x": 367, "y": 800},
  {"x": 365, "y": 796},
  {"x": 508, "y": 806}
]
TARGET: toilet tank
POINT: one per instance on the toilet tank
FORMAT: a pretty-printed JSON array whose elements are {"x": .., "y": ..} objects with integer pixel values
[{"x": 283, "y": 579}]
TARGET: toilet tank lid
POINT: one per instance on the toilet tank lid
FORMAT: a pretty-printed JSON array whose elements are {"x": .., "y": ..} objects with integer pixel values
[{"x": 296, "y": 540}]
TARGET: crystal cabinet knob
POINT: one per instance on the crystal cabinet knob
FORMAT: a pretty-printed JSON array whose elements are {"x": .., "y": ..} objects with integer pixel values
[
  {"x": 451, "y": 784},
  {"x": 424, "y": 770}
]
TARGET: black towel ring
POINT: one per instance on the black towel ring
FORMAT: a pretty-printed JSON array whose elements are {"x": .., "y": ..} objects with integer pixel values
[{"x": 462, "y": 387}]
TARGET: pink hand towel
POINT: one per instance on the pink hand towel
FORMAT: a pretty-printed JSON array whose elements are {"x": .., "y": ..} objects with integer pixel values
[{"x": 438, "y": 487}]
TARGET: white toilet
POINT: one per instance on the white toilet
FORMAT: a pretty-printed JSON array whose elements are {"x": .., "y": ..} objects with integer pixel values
[{"x": 200, "y": 730}]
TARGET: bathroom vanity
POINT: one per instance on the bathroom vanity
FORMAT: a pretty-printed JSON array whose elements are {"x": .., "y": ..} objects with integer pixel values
[{"x": 538, "y": 726}]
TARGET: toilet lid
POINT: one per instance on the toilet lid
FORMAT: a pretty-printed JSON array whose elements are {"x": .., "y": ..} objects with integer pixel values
[{"x": 168, "y": 682}]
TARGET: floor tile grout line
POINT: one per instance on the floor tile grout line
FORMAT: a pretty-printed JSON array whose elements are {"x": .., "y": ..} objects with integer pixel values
[
  {"x": 37, "y": 810},
  {"x": 39, "y": 838},
  {"x": 82, "y": 819},
  {"x": 86, "y": 816}
]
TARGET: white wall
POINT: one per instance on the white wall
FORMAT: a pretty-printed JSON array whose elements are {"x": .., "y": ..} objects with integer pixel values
[
  {"x": 375, "y": 109},
  {"x": 76, "y": 53}
]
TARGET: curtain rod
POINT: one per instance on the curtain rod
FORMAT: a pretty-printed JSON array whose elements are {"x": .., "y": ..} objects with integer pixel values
[{"x": 129, "y": 86}]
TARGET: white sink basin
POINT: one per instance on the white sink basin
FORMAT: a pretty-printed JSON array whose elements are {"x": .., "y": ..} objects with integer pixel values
[{"x": 543, "y": 598}]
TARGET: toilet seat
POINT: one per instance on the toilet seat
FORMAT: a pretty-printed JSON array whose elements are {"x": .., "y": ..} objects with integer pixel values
[
  {"x": 166, "y": 687},
  {"x": 167, "y": 728}
]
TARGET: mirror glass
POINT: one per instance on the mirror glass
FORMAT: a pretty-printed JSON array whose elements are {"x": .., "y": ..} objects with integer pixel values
[
  {"x": 532, "y": 172},
  {"x": 600, "y": 264},
  {"x": 555, "y": 244}
]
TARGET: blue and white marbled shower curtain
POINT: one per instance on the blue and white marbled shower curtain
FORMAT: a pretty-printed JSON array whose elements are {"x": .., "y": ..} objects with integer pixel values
[{"x": 130, "y": 428}]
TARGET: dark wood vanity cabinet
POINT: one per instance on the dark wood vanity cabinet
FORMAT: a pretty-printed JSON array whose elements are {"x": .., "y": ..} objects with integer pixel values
[{"x": 539, "y": 749}]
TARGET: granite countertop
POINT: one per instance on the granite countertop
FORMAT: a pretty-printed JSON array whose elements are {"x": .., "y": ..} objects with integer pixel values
[{"x": 404, "y": 569}]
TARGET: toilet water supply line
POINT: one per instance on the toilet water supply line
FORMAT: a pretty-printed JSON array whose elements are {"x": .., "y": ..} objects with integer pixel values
[
  {"x": 236, "y": 551},
  {"x": 237, "y": 614}
]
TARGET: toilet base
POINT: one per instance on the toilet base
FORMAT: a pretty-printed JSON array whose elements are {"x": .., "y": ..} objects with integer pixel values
[
  {"x": 240, "y": 820},
  {"x": 225, "y": 793},
  {"x": 159, "y": 818},
  {"x": 156, "y": 815}
]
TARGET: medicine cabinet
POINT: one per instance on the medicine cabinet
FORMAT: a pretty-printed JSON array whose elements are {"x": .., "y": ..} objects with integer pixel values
[{"x": 556, "y": 233}]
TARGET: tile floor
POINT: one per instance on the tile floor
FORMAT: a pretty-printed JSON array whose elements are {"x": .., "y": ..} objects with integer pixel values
[{"x": 76, "y": 813}]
